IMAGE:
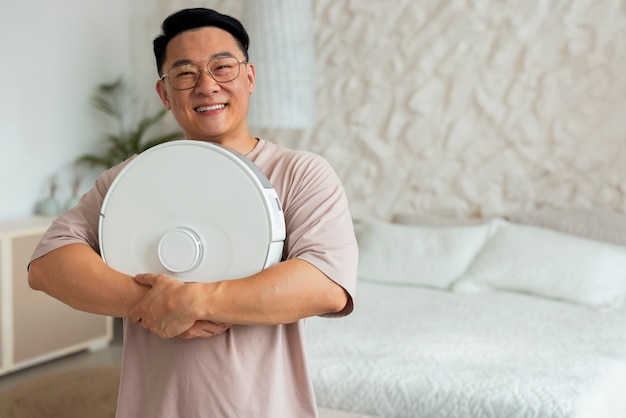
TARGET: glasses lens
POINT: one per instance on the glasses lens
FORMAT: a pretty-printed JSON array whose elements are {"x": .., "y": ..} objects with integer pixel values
[
  {"x": 184, "y": 76},
  {"x": 224, "y": 69}
]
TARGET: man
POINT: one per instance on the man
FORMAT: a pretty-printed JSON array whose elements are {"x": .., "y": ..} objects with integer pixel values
[{"x": 233, "y": 348}]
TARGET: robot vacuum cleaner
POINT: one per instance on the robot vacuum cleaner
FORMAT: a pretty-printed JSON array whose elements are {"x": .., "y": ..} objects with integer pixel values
[{"x": 193, "y": 210}]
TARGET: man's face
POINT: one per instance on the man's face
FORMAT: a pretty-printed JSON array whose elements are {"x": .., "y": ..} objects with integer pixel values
[{"x": 211, "y": 111}]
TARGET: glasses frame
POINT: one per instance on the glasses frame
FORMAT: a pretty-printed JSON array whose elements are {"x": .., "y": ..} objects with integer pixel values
[{"x": 205, "y": 68}]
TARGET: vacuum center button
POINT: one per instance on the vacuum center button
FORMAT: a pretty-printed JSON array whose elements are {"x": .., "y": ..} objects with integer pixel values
[{"x": 180, "y": 250}]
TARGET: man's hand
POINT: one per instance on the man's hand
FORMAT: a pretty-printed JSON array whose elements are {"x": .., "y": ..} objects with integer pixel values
[{"x": 168, "y": 309}]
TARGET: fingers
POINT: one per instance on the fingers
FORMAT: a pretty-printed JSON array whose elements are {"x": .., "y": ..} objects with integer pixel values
[
  {"x": 170, "y": 331},
  {"x": 153, "y": 306},
  {"x": 204, "y": 329},
  {"x": 133, "y": 315}
]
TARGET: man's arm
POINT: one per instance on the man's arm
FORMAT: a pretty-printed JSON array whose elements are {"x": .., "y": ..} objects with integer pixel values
[
  {"x": 76, "y": 275},
  {"x": 280, "y": 294}
]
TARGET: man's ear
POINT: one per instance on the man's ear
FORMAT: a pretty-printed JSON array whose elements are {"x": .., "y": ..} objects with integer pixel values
[
  {"x": 251, "y": 74},
  {"x": 162, "y": 92}
]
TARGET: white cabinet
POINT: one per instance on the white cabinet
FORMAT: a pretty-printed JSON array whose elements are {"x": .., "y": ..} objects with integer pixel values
[{"x": 35, "y": 327}]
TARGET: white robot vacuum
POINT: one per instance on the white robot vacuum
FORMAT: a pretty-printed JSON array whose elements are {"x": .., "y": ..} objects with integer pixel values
[{"x": 193, "y": 210}]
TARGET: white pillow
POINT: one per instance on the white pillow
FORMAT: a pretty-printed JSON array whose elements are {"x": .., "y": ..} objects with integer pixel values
[
  {"x": 551, "y": 264},
  {"x": 417, "y": 255}
]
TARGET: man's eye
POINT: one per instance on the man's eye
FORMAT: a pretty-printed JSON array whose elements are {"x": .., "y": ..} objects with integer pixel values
[
  {"x": 185, "y": 72},
  {"x": 222, "y": 69}
]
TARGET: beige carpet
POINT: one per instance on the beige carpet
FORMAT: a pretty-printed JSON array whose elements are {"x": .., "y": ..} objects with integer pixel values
[{"x": 79, "y": 393}]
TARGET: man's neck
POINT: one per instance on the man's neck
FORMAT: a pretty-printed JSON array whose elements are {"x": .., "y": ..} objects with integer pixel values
[{"x": 241, "y": 145}]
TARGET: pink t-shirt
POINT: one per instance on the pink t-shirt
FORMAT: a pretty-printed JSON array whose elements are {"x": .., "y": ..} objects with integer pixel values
[{"x": 249, "y": 371}]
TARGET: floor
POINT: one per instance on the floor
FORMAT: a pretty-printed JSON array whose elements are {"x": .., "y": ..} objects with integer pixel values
[{"x": 110, "y": 356}]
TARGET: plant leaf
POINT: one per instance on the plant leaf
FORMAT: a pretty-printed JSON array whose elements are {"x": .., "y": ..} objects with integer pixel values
[{"x": 114, "y": 99}]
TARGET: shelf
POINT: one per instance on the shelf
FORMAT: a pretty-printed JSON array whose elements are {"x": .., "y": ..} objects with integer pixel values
[{"x": 35, "y": 327}]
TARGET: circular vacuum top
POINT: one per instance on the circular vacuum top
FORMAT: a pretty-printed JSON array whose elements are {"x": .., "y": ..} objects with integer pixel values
[{"x": 192, "y": 210}]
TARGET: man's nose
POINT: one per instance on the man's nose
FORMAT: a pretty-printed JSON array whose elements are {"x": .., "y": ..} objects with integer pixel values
[{"x": 206, "y": 80}]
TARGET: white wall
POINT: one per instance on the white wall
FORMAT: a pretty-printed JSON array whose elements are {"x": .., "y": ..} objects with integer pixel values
[{"x": 54, "y": 53}]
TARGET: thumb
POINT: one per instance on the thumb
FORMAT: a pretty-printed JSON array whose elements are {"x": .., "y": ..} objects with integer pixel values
[{"x": 145, "y": 279}]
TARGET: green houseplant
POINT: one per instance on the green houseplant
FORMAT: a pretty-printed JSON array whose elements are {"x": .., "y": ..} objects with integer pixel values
[{"x": 115, "y": 100}]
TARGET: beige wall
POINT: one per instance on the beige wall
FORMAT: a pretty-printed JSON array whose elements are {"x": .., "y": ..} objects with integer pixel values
[{"x": 479, "y": 107}]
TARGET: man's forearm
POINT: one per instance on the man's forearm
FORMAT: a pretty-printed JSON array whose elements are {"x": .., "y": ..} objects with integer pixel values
[
  {"x": 283, "y": 293},
  {"x": 77, "y": 276}
]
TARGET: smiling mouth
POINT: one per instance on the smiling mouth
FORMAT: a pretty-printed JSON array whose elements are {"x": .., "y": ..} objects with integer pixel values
[{"x": 209, "y": 108}]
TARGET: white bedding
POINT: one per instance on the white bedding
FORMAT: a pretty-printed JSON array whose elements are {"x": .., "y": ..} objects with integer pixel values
[{"x": 410, "y": 351}]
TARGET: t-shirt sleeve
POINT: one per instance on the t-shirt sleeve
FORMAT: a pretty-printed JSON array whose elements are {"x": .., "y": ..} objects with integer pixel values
[
  {"x": 79, "y": 225},
  {"x": 319, "y": 224}
]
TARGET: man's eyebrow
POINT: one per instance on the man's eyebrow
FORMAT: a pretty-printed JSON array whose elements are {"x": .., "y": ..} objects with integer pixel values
[
  {"x": 182, "y": 62},
  {"x": 220, "y": 54}
]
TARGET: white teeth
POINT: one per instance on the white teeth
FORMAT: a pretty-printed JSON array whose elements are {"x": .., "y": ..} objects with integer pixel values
[{"x": 208, "y": 108}]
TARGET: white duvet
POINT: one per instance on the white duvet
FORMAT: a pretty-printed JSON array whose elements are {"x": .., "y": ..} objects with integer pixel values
[{"x": 414, "y": 352}]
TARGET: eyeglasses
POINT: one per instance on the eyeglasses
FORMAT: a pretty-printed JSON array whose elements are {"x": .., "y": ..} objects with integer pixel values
[{"x": 186, "y": 76}]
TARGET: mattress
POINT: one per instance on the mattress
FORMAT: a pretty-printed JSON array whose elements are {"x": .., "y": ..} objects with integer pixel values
[{"x": 409, "y": 351}]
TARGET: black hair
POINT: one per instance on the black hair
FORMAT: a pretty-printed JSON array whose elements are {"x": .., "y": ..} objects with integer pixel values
[{"x": 188, "y": 19}]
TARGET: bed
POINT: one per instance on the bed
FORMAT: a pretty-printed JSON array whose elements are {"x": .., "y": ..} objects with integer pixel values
[{"x": 497, "y": 318}]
